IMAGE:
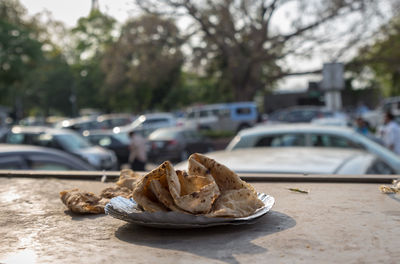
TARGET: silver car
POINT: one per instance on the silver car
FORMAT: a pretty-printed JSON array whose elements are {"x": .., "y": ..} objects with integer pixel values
[
  {"x": 300, "y": 160},
  {"x": 65, "y": 140},
  {"x": 299, "y": 135}
]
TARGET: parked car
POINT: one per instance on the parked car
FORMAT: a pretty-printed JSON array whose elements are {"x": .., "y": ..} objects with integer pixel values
[
  {"x": 66, "y": 140},
  {"x": 79, "y": 124},
  {"x": 300, "y": 160},
  {"x": 117, "y": 142},
  {"x": 313, "y": 136},
  {"x": 305, "y": 114},
  {"x": 145, "y": 124},
  {"x": 222, "y": 117},
  {"x": 176, "y": 144},
  {"x": 109, "y": 121},
  {"x": 23, "y": 157}
]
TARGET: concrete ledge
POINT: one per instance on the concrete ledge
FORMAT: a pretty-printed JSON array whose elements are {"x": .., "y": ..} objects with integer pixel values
[{"x": 251, "y": 177}]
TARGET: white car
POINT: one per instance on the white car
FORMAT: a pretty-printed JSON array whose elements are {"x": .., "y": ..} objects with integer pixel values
[
  {"x": 145, "y": 124},
  {"x": 299, "y": 135},
  {"x": 299, "y": 160}
]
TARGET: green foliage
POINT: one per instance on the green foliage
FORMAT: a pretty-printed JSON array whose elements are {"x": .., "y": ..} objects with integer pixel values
[
  {"x": 49, "y": 87},
  {"x": 19, "y": 53},
  {"x": 383, "y": 59},
  {"x": 143, "y": 67}
]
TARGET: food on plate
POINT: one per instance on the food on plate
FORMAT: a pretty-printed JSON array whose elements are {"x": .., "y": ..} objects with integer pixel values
[
  {"x": 128, "y": 178},
  {"x": 207, "y": 188},
  {"x": 193, "y": 193},
  {"x": 86, "y": 202},
  {"x": 83, "y": 202},
  {"x": 394, "y": 188},
  {"x": 115, "y": 191}
]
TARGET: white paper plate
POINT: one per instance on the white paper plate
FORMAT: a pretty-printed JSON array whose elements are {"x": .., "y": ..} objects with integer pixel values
[{"x": 128, "y": 210}]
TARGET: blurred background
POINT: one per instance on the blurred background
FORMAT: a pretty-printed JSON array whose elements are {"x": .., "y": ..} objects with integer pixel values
[{"x": 263, "y": 86}]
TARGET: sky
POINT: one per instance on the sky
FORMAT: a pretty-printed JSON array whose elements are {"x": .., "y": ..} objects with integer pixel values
[{"x": 70, "y": 11}]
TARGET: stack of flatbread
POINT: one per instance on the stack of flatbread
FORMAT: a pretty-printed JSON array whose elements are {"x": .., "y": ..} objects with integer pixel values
[
  {"x": 207, "y": 188},
  {"x": 83, "y": 202}
]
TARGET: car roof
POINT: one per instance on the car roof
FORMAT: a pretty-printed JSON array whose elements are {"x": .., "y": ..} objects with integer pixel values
[
  {"x": 307, "y": 160},
  {"x": 112, "y": 116},
  {"x": 296, "y": 128},
  {"x": 158, "y": 115},
  {"x": 102, "y": 132},
  {"x": 8, "y": 149},
  {"x": 40, "y": 129},
  {"x": 222, "y": 105}
]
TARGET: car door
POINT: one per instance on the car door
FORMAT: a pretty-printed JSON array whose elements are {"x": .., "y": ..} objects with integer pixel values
[{"x": 12, "y": 162}]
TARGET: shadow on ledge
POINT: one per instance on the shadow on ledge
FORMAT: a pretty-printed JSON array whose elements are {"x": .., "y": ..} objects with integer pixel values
[{"x": 219, "y": 243}]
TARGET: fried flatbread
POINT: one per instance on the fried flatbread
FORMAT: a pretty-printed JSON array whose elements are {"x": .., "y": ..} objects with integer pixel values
[
  {"x": 224, "y": 177},
  {"x": 236, "y": 203},
  {"x": 114, "y": 191},
  {"x": 142, "y": 193},
  {"x": 82, "y": 202},
  {"x": 128, "y": 178},
  {"x": 193, "y": 193},
  {"x": 163, "y": 195},
  {"x": 237, "y": 199}
]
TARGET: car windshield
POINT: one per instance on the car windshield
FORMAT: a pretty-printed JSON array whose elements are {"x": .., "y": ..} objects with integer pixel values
[
  {"x": 72, "y": 142},
  {"x": 163, "y": 134},
  {"x": 123, "y": 137}
]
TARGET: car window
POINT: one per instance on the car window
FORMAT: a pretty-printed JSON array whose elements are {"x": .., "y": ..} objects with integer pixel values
[
  {"x": 191, "y": 135},
  {"x": 105, "y": 141},
  {"x": 243, "y": 111},
  {"x": 301, "y": 116},
  {"x": 72, "y": 142},
  {"x": 204, "y": 113},
  {"x": 155, "y": 120},
  {"x": 48, "y": 165},
  {"x": 379, "y": 167},
  {"x": 46, "y": 140},
  {"x": 15, "y": 138},
  {"x": 122, "y": 137},
  {"x": 284, "y": 140},
  {"x": 191, "y": 114},
  {"x": 323, "y": 140}
]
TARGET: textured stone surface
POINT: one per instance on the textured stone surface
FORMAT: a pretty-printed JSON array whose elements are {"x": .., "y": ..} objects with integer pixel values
[{"x": 342, "y": 223}]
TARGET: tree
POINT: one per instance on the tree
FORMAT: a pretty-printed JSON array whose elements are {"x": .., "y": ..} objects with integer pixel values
[
  {"x": 244, "y": 44},
  {"x": 92, "y": 36},
  {"x": 143, "y": 67},
  {"x": 19, "y": 53},
  {"x": 382, "y": 59}
]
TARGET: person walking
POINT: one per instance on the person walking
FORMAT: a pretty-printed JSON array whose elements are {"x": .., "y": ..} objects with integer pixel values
[
  {"x": 137, "y": 154},
  {"x": 391, "y": 133},
  {"x": 362, "y": 126}
]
